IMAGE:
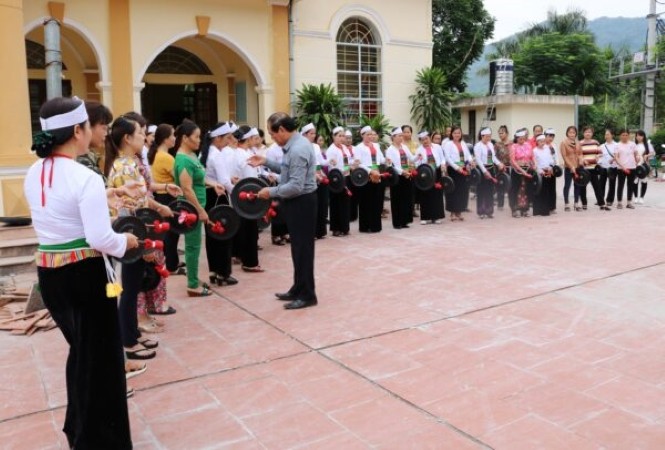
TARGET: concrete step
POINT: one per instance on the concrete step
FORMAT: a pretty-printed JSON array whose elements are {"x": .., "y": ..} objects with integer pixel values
[
  {"x": 18, "y": 247},
  {"x": 17, "y": 264},
  {"x": 16, "y": 232}
]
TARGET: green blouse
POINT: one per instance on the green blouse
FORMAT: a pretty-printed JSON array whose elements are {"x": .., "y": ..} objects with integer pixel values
[{"x": 195, "y": 170}]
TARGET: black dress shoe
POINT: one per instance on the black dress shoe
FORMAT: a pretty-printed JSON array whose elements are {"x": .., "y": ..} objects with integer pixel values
[
  {"x": 286, "y": 296},
  {"x": 299, "y": 304}
]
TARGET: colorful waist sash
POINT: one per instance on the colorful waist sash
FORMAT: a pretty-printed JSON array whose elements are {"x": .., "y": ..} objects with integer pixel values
[{"x": 58, "y": 255}]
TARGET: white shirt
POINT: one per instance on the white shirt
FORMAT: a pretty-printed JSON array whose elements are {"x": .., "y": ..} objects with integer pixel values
[
  {"x": 393, "y": 154},
  {"x": 335, "y": 157},
  {"x": 437, "y": 153},
  {"x": 606, "y": 159},
  {"x": 75, "y": 206},
  {"x": 481, "y": 151},
  {"x": 244, "y": 170},
  {"x": 144, "y": 160},
  {"x": 275, "y": 153},
  {"x": 364, "y": 154},
  {"x": 452, "y": 155},
  {"x": 320, "y": 160},
  {"x": 220, "y": 166},
  {"x": 543, "y": 158}
]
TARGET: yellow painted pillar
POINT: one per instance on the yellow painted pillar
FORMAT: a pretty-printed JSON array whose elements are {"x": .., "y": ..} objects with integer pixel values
[
  {"x": 15, "y": 104},
  {"x": 280, "y": 57},
  {"x": 122, "y": 84},
  {"x": 15, "y": 155}
]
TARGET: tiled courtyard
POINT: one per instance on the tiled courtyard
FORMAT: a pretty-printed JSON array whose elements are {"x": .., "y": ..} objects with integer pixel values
[{"x": 538, "y": 333}]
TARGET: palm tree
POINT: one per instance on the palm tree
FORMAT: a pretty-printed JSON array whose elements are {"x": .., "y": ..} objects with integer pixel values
[
  {"x": 572, "y": 21},
  {"x": 320, "y": 105},
  {"x": 430, "y": 104}
]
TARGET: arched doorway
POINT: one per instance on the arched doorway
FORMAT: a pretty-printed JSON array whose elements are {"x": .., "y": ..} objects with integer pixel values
[
  {"x": 200, "y": 79},
  {"x": 80, "y": 72}
]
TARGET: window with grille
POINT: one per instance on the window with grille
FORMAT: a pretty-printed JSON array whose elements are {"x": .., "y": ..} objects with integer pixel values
[
  {"x": 175, "y": 60},
  {"x": 358, "y": 70},
  {"x": 35, "y": 55}
]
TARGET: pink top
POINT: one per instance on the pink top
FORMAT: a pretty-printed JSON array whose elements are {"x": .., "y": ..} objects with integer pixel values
[
  {"x": 523, "y": 153},
  {"x": 625, "y": 155}
]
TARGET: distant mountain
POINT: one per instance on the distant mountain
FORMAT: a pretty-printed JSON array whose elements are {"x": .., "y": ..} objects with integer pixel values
[{"x": 617, "y": 32}]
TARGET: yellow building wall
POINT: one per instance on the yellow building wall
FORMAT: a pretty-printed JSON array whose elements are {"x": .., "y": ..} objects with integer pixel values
[{"x": 406, "y": 40}]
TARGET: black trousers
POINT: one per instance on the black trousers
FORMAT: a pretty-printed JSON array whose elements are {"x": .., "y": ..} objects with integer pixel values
[
  {"x": 579, "y": 192},
  {"x": 321, "y": 210},
  {"x": 132, "y": 280},
  {"x": 218, "y": 253},
  {"x": 401, "y": 203},
  {"x": 630, "y": 178},
  {"x": 598, "y": 179},
  {"x": 612, "y": 185},
  {"x": 301, "y": 219},
  {"x": 485, "y": 197},
  {"x": 75, "y": 295},
  {"x": 278, "y": 226},
  {"x": 245, "y": 243},
  {"x": 171, "y": 240}
]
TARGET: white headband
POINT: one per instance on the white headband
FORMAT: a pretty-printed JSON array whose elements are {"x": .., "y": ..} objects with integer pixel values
[
  {"x": 152, "y": 129},
  {"x": 365, "y": 129},
  {"x": 348, "y": 133},
  {"x": 423, "y": 134},
  {"x": 520, "y": 133},
  {"x": 540, "y": 137},
  {"x": 68, "y": 119},
  {"x": 221, "y": 131},
  {"x": 337, "y": 130},
  {"x": 485, "y": 131},
  {"x": 233, "y": 127},
  {"x": 550, "y": 131},
  {"x": 396, "y": 131},
  {"x": 307, "y": 128},
  {"x": 250, "y": 133}
]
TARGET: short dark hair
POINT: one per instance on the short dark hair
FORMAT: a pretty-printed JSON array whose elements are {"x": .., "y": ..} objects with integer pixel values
[
  {"x": 45, "y": 142},
  {"x": 98, "y": 114},
  {"x": 240, "y": 132},
  {"x": 404, "y": 127},
  {"x": 281, "y": 119}
]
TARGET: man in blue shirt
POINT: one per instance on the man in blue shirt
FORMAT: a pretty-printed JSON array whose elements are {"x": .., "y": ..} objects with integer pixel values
[{"x": 297, "y": 189}]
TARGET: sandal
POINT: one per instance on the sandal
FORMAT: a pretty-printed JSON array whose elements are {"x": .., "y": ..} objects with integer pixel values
[
  {"x": 276, "y": 240},
  {"x": 256, "y": 269},
  {"x": 148, "y": 343},
  {"x": 150, "y": 327},
  {"x": 170, "y": 310},
  {"x": 141, "y": 353},
  {"x": 567, "y": 209},
  {"x": 287, "y": 238},
  {"x": 130, "y": 392},
  {"x": 204, "y": 292},
  {"x": 179, "y": 271}
]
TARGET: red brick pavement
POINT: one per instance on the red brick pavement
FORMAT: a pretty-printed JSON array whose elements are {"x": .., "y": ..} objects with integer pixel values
[{"x": 508, "y": 334}]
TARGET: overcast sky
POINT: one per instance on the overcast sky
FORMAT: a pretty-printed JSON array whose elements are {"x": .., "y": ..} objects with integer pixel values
[{"x": 513, "y": 16}]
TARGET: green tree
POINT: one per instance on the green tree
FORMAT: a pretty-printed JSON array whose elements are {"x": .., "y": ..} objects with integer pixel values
[
  {"x": 561, "y": 64},
  {"x": 459, "y": 31},
  {"x": 430, "y": 103},
  {"x": 320, "y": 105}
]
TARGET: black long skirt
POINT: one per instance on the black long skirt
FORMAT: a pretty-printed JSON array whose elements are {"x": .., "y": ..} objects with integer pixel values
[
  {"x": 75, "y": 295},
  {"x": 542, "y": 203},
  {"x": 339, "y": 212},
  {"x": 370, "y": 205},
  {"x": 322, "y": 193},
  {"x": 401, "y": 205},
  {"x": 218, "y": 253},
  {"x": 456, "y": 201},
  {"x": 485, "y": 197}
]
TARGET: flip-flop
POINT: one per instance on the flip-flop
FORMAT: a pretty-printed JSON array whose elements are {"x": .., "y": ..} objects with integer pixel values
[
  {"x": 256, "y": 269},
  {"x": 136, "y": 372},
  {"x": 142, "y": 353},
  {"x": 179, "y": 271},
  {"x": 130, "y": 392},
  {"x": 148, "y": 343}
]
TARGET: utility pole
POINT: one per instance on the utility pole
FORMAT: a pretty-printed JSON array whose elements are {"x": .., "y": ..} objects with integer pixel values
[
  {"x": 53, "y": 58},
  {"x": 650, "y": 86}
]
